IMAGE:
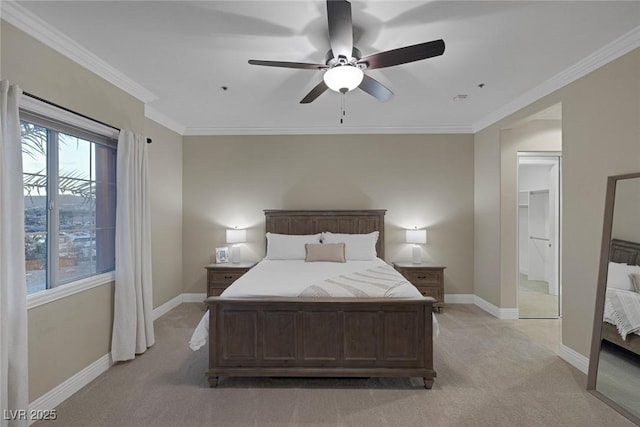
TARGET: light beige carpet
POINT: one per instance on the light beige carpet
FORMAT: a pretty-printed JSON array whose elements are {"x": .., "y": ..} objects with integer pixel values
[
  {"x": 534, "y": 300},
  {"x": 489, "y": 374}
]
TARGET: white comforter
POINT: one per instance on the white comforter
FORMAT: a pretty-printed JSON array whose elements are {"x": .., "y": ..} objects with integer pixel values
[
  {"x": 270, "y": 278},
  {"x": 622, "y": 309}
]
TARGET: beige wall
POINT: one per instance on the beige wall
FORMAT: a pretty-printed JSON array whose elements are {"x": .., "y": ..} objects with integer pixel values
[
  {"x": 165, "y": 184},
  {"x": 537, "y": 135},
  {"x": 422, "y": 180},
  {"x": 67, "y": 335},
  {"x": 486, "y": 199},
  {"x": 600, "y": 137}
]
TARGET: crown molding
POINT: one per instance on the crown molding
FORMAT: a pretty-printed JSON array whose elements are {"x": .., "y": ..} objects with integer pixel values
[
  {"x": 40, "y": 30},
  {"x": 445, "y": 129},
  {"x": 621, "y": 46},
  {"x": 164, "y": 120}
]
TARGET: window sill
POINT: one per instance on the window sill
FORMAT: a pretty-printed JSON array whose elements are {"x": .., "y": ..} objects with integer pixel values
[{"x": 63, "y": 291}]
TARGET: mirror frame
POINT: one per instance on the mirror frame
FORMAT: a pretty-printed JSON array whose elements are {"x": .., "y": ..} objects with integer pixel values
[{"x": 600, "y": 294}]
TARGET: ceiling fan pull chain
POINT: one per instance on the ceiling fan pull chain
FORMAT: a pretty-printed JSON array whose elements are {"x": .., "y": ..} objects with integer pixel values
[{"x": 342, "y": 108}]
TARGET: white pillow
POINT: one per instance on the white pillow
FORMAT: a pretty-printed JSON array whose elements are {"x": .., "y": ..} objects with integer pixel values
[
  {"x": 619, "y": 276},
  {"x": 289, "y": 246},
  {"x": 357, "y": 247}
]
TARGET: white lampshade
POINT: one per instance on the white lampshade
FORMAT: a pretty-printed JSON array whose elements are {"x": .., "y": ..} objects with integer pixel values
[
  {"x": 416, "y": 236},
  {"x": 236, "y": 236},
  {"x": 342, "y": 77}
]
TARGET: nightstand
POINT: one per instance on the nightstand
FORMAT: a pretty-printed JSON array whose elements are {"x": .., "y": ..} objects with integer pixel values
[
  {"x": 220, "y": 276},
  {"x": 429, "y": 279}
]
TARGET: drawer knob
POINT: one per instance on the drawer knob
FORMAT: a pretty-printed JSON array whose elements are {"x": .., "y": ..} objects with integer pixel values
[
  {"x": 228, "y": 277},
  {"x": 422, "y": 277}
]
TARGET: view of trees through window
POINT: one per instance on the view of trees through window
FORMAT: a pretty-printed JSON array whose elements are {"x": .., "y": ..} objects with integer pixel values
[{"x": 69, "y": 193}]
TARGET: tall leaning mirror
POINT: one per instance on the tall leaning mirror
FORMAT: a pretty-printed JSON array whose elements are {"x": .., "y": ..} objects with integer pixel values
[{"x": 614, "y": 364}]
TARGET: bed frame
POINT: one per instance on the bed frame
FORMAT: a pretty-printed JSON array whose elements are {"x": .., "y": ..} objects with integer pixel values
[
  {"x": 628, "y": 253},
  {"x": 322, "y": 337}
]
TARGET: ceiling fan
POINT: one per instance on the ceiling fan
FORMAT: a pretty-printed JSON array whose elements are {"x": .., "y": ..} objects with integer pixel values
[{"x": 344, "y": 65}]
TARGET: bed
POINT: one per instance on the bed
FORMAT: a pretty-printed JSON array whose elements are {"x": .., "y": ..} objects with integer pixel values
[
  {"x": 319, "y": 336},
  {"x": 624, "y": 252}
]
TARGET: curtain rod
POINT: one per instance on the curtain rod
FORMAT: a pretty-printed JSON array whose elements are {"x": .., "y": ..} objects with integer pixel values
[{"x": 149, "y": 140}]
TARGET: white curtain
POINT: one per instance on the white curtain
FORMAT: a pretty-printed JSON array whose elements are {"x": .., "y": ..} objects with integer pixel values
[
  {"x": 133, "y": 306},
  {"x": 14, "y": 375}
]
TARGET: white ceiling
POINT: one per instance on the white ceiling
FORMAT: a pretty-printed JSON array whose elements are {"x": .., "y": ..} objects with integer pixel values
[{"x": 183, "y": 52}]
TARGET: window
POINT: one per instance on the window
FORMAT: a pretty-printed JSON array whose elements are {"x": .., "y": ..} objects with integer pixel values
[{"x": 69, "y": 201}]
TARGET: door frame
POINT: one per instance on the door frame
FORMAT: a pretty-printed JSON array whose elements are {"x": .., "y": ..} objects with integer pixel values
[{"x": 534, "y": 154}]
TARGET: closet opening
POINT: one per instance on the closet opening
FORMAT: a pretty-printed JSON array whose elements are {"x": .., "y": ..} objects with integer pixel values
[{"x": 539, "y": 235}]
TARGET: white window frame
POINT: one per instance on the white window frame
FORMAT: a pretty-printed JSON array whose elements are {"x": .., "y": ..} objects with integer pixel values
[{"x": 38, "y": 107}]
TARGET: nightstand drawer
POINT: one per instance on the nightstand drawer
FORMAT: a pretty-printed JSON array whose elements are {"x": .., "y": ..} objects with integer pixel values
[
  {"x": 220, "y": 276},
  {"x": 429, "y": 279},
  {"x": 423, "y": 277},
  {"x": 431, "y": 291},
  {"x": 224, "y": 278}
]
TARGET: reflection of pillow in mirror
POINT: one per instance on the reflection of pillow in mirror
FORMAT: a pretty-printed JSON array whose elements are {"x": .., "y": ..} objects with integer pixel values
[
  {"x": 635, "y": 278},
  {"x": 619, "y": 276}
]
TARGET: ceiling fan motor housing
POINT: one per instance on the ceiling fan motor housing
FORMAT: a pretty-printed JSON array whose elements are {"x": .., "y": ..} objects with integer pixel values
[{"x": 332, "y": 61}]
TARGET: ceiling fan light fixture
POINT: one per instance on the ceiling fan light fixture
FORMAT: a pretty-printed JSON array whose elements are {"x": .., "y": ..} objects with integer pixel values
[
  {"x": 344, "y": 64},
  {"x": 343, "y": 77}
]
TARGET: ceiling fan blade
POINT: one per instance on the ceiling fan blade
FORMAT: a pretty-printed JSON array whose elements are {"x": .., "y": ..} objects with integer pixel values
[
  {"x": 375, "y": 88},
  {"x": 285, "y": 64},
  {"x": 340, "y": 28},
  {"x": 315, "y": 92},
  {"x": 404, "y": 55}
]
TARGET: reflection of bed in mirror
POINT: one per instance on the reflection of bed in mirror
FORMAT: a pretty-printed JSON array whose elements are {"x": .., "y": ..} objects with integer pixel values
[
  {"x": 622, "y": 251},
  {"x": 614, "y": 362}
]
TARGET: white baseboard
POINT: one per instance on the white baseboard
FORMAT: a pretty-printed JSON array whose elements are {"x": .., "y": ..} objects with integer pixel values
[
  {"x": 193, "y": 297},
  {"x": 509, "y": 314},
  {"x": 458, "y": 298},
  {"x": 574, "y": 358},
  {"x": 174, "y": 302},
  {"x": 63, "y": 391},
  {"x": 167, "y": 307},
  {"x": 500, "y": 313}
]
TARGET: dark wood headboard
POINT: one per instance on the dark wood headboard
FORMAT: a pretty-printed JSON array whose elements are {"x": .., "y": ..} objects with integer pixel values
[
  {"x": 340, "y": 221},
  {"x": 624, "y": 252}
]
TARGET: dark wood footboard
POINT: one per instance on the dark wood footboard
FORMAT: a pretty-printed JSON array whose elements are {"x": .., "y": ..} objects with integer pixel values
[{"x": 334, "y": 337}]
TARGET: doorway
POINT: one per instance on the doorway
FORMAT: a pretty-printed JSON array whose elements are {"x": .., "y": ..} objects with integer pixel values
[{"x": 539, "y": 222}]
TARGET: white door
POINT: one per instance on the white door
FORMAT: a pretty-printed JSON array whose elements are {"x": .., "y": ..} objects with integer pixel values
[{"x": 553, "y": 228}]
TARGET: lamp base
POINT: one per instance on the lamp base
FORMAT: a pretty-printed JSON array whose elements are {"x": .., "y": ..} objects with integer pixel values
[
  {"x": 416, "y": 254},
  {"x": 235, "y": 254}
]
